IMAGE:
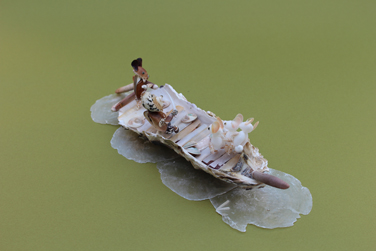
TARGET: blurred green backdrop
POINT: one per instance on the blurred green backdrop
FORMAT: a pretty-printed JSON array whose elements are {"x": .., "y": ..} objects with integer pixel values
[{"x": 304, "y": 69}]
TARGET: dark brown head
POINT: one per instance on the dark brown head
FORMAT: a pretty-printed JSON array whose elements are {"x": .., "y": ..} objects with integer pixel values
[{"x": 138, "y": 70}]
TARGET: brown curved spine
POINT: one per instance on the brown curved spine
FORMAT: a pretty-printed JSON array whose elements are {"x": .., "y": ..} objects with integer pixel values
[{"x": 270, "y": 180}]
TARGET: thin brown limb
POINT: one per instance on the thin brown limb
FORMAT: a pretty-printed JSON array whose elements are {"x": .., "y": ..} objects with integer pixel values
[
  {"x": 126, "y": 88},
  {"x": 123, "y": 102}
]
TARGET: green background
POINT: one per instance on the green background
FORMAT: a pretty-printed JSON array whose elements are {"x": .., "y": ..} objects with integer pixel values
[{"x": 304, "y": 69}]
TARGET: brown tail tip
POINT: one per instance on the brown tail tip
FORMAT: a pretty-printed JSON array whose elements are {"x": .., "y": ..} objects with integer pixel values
[{"x": 270, "y": 180}]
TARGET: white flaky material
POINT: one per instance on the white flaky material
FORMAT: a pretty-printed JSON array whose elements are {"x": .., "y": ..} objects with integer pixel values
[
  {"x": 101, "y": 110},
  {"x": 268, "y": 207},
  {"x": 189, "y": 183},
  {"x": 131, "y": 146}
]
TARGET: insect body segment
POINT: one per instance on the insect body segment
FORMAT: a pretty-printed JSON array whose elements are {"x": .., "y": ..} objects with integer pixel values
[
  {"x": 154, "y": 105},
  {"x": 138, "y": 70}
]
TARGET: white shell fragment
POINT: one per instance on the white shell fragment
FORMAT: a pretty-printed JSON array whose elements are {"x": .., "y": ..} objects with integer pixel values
[
  {"x": 190, "y": 144},
  {"x": 267, "y": 207},
  {"x": 131, "y": 146},
  {"x": 101, "y": 110},
  {"x": 193, "y": 150},
  {"x": 189, "y": 118},
  {"x": 136, "y": 122},
  {"x": 189, "y": 183},
  {"x": 165, "y": 104}
]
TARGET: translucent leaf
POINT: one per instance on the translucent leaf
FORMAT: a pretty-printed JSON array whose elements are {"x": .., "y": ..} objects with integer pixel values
[
  {"x": 131, "y": 146},
  {"x": 267, "y": 207},
  {"x": 101, "y": 110},
  {"x": 180, "y": 176}
]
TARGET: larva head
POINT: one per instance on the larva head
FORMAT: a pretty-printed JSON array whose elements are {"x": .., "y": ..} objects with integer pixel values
[{"x": 138, "y": 70}]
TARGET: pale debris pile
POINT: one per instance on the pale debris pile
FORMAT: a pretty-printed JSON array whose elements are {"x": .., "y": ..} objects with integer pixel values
[
  {"x": 131, "y": 146},
  {"x": 101, "y": 110},
  {"x": 189, "y": 183},
  {"x": 267, "y": 207}
]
